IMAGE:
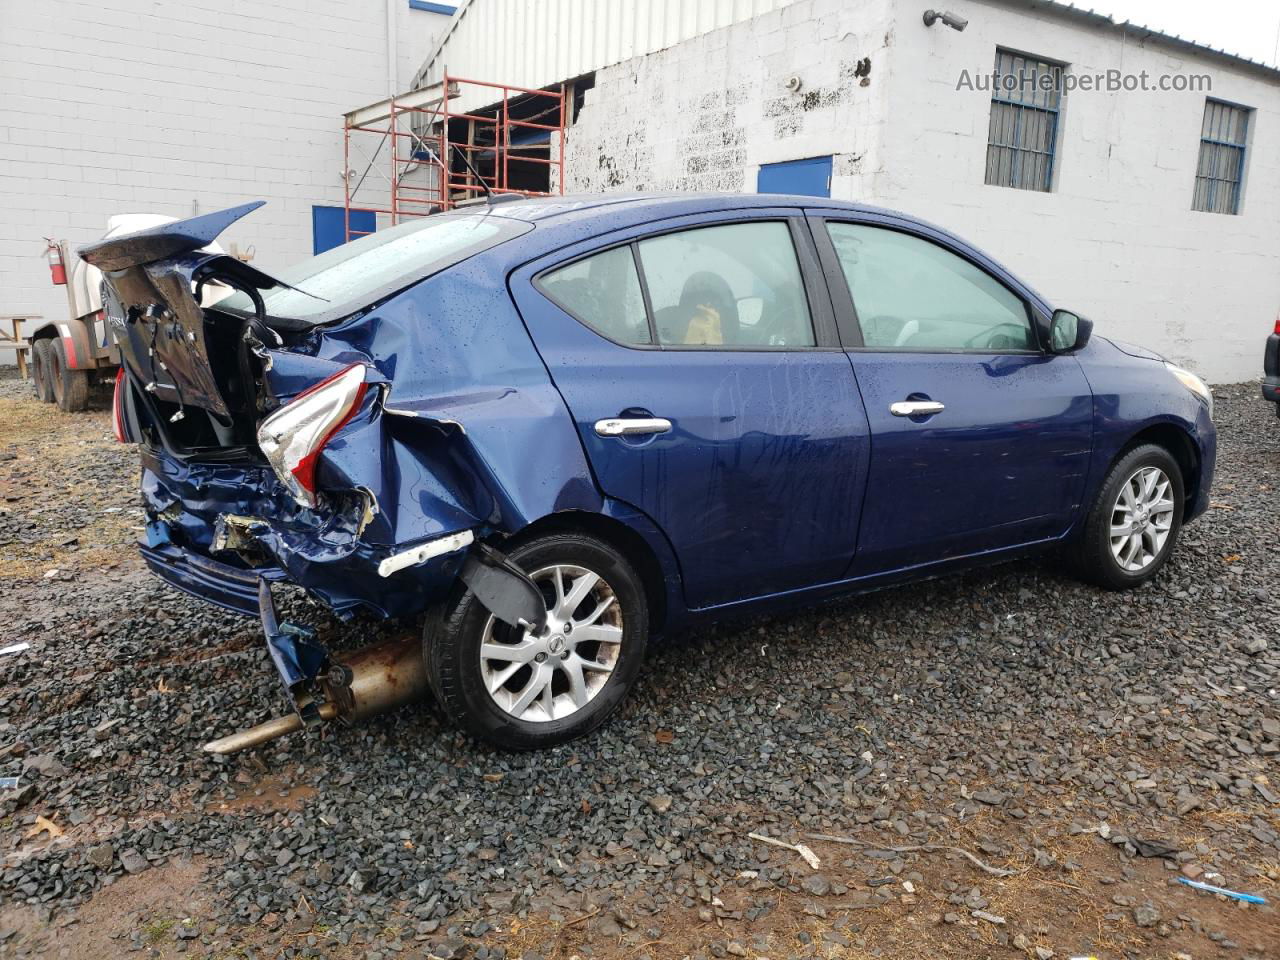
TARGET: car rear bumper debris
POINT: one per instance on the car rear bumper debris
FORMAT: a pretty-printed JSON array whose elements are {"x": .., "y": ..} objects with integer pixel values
[{"x": 214, "y": 529}]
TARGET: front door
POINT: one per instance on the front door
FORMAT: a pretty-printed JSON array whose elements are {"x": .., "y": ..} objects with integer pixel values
[
  {"x": 980, "y": 438},
  {"x": 702, "y": 369}
]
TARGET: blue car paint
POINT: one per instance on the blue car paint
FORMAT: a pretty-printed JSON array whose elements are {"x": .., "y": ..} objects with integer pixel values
[
  {"x": 776, "y": 439},
  {"x": 1003, "y": 464},
  {"x": 468, "y": 430}
]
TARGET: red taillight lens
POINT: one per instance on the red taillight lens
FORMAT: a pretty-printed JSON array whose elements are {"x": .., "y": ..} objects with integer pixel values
[
  {"x": 1277, "y": 330},
  {"x": 294, "y": 436},
  {"x": 117, "y": 408}
]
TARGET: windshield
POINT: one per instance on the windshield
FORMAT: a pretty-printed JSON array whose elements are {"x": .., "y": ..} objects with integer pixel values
[{"x": 356, "y": 274}]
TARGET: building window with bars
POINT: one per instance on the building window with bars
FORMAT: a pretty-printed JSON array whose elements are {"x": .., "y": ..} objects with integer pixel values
[
  {"x": 1026, "y": 96},
  {"x": 1220, "y": 171}
]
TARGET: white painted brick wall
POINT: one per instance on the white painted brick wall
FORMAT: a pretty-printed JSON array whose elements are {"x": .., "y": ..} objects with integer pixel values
[
  {"x": 704, "y": 114},
  {"x": 172, "y": 107},
  {"x": 1116, "y": 239}
]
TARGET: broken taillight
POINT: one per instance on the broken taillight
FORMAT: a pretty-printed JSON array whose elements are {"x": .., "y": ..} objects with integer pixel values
[
  {"x": 117, "y": 408},
  {"x": 293, "y": 437}
]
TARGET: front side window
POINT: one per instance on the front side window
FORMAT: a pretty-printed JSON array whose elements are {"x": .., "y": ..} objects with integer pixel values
[
  {"x": 602, "y": 291},
  {"x": 1220, "y": 171},
  {"x": 1026, "y": 96},
  {"x": 733, "y": 285},
  {"x": 911, "y": 294}
]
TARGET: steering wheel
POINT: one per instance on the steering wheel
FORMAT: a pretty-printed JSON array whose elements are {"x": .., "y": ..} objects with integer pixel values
[{"x": 1004, "y": 336}]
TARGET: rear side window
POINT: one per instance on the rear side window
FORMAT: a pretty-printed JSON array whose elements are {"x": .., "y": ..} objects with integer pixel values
[
  {"x": 731, "y": 285},
  {"x": 354, "y": 275},
  {"x": 602, "y": 291},
  {"x": 911, "y": 294}
]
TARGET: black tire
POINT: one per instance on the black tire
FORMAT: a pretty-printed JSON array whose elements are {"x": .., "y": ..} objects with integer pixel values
[
  {"x": 41, "y": 369},
  {"x": 1092, "y": 555},
  {"x": 458, "y": 675},
  {"x": 70, "y": 387}
]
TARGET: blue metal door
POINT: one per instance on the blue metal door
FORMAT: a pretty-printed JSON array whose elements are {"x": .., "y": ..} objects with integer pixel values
[
  {"x": 758, "y": 481},
  {"x": 808, "y": 178},
  {"x": 329, "y": 226}
]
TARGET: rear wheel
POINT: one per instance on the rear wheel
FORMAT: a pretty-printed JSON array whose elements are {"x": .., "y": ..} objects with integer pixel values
[
  {"x": 521, "y": 691},
  {"x": 1134, "y": 522},
  {"x": 41, "y": 374},
  {"x": 70, "y": 387}
]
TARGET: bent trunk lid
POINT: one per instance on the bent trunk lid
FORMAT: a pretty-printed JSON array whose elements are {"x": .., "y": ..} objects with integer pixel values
[{"x": 154, "y": 282}]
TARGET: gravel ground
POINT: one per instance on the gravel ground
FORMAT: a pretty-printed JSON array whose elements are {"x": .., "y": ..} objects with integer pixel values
[{"x": 1095, "y": 746}]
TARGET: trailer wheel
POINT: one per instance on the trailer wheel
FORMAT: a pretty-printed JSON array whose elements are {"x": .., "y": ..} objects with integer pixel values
[
  {"x": 41, "y": 375},
  {"x": 70, "y": 387}
]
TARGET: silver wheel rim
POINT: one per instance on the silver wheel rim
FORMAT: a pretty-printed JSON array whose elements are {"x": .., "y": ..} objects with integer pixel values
[
  {"x": 553, "y": 675},
  {"x": 1141, "y": 519}
]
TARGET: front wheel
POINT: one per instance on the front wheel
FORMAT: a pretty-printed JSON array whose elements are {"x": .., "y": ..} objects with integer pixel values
[
  {"x": 1133, "y": 525},
  {"x": 521, "y": 691}
]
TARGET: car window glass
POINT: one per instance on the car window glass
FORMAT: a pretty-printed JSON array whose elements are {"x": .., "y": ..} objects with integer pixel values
[
  {"x": 911, "y": 294},
  {"x": 724, "y": 286},
  {"x": 355, "y": 272},
  {"x": 603, "y": 291}
]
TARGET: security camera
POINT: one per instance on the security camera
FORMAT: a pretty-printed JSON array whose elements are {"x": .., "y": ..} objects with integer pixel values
[{"x": 946, "y": 16}]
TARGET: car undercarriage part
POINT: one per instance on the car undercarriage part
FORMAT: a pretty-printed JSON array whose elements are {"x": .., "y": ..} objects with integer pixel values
[
  {"x": 506, "y": 591},
  {"x": 381, "y": 677},
  {"x": 378, "y": 678}
]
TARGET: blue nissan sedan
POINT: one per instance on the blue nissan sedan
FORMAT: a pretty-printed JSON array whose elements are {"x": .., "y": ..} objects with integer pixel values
[{"x": 555, "y": 428}]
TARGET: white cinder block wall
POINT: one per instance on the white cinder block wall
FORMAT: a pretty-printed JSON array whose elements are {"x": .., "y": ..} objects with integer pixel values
[
  {"x": 178, "y": 108},
  {"x": 705, "y": 113},
  {"x": 1116, "y": 239}
]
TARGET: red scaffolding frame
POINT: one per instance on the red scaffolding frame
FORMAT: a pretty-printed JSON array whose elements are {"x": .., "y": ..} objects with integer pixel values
[{"x": 415, "y": 129}]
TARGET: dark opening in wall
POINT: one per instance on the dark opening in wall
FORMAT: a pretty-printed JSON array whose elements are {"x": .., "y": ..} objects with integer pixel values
[{"x": 526, "y": 161}]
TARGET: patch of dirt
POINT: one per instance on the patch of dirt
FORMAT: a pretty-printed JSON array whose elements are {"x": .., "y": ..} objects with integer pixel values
[
  {"x": 1094, "y": 904},
  {"x": 62, "y": 485},
  {"x": 154, "y": 904},
  {"x": 271, "y": 794}
]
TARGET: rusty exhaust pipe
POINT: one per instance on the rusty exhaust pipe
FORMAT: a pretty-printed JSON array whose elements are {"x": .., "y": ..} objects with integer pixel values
[{"x": 383, "y": 676}]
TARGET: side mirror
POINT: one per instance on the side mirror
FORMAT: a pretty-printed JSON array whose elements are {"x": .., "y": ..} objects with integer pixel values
[{"x": 1068, "y": 332}]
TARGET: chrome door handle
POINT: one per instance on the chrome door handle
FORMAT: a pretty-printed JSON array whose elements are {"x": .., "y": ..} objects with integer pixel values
[
  {"x": 916, "y": 408},
  {"x": 631, "y": 426}
]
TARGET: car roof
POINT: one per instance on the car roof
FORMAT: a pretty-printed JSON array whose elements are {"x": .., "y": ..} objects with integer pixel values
[{"x": 655, "y": 205}]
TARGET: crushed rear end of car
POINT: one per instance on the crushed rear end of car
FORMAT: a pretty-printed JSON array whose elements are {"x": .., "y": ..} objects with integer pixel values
[{"x": 275, "y": 449}]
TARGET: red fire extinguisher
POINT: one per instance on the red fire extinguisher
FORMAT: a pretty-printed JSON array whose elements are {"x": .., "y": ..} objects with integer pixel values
[{"x": 57, "y": 270}]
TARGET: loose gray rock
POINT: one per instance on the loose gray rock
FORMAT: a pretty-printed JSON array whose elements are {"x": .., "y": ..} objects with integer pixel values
[
  {"x": 102, "y": 856},
  {"x": 134, "y": 862},
  {"x": 1146, "y": 915}
]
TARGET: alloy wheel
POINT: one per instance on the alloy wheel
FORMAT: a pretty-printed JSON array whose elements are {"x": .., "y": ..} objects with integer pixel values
[
  {"x": 552, "y": 675},
  {"x": 1141, "y": 519}
]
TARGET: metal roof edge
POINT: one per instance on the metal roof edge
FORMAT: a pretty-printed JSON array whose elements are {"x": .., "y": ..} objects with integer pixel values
[
  {"x": 1069, "y": 11},
  {"x": 420, "y": 77}
]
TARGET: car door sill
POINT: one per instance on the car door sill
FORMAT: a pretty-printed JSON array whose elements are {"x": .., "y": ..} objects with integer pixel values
[{"x": 869, "y": 582}]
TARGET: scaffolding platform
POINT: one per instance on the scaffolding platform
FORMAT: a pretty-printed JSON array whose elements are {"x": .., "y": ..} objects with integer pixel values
[{"x": 426, "y": 151}]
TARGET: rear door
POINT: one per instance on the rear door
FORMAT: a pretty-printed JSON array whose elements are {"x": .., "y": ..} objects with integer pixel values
[
  {"x": 702, "y": 368},
  {"x": 980, "y": 438}
]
